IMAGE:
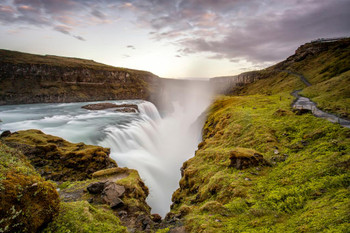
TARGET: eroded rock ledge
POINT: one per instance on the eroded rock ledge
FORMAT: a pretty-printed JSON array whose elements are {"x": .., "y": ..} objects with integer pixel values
[{"x": 86, "y": 178}]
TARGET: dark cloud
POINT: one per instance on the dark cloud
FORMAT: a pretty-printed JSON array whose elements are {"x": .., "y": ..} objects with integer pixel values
[
  {"x": 255, "y": 30},
  {"x": 67, "y": 31},
  {"x": 98, "y": 14},
  {"x": 130, "y": 47}
]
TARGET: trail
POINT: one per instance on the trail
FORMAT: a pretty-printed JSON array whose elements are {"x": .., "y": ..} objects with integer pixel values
[{"x": 305, "y": 103}]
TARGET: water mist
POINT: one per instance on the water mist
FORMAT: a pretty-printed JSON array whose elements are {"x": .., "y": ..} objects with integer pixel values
[{"x": 157, "y": 146}]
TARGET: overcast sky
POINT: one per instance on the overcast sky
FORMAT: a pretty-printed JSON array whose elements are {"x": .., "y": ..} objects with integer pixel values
[{"x": 172, "y": 38}]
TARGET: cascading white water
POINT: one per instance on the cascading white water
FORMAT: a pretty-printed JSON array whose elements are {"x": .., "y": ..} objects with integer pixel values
[{"x": 155, "y": 146}]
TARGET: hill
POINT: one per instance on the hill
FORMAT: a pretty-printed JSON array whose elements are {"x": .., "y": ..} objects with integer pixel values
[{"x": 264, "y": 167}]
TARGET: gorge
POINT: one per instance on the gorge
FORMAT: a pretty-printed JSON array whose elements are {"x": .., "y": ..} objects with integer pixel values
[{"x": 241, "y": 161}]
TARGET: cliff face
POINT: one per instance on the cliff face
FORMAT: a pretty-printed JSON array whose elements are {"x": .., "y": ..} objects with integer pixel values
[
  {"x": 229, "y": 84},
  {"x": 46, "y": 79}
]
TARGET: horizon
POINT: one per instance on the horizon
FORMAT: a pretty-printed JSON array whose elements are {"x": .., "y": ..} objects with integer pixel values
[{"x": 171, "y": 39}]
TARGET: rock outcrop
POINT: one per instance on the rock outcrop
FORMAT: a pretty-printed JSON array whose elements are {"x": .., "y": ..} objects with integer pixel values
[
  {"x": 118, "y": 107},
  {"x": 57, "y": 159}
]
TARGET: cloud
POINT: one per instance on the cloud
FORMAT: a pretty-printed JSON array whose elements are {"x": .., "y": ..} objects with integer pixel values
[
  {"x": 67, "y": 31},
  {"x": 130, "y": 47},
  {"x": 257, "y": 31},
  {"x": 60, "y": 15}
]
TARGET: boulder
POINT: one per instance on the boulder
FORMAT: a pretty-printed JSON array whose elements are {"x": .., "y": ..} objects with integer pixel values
[
  {"x": 301, "y": 111},
  {"x": 6, "y": 133},
  {"x": 111, "y": 193},
  {"x": 96, "y": 188},
  {"x": 156, "y": 218},
  {"x": 242, "y": 158}
]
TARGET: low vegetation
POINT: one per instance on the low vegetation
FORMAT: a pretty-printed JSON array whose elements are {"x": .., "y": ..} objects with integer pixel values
[
  {"x": 82, "y": 217},
  {"x": 305, "y": 189},
  {"x": 304, "y": 186},
  {"x": 27, "y": 201}
]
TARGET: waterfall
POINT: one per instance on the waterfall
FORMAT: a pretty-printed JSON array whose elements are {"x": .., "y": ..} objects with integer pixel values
[
  {"x": 157, "y": 146},
  {"x": 154, "y": 144}
]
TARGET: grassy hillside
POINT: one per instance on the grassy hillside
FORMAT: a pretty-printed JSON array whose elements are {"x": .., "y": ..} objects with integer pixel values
[
  {"x": 302, "y": 185},
  {"x": 14, "y": 57},
  {"x": 325, "y": 65}
]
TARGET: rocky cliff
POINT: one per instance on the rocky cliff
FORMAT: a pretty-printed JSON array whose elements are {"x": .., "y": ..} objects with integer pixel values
[{"x": 27, "y": 78}]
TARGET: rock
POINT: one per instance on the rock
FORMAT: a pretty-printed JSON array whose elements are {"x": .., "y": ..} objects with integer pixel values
[
  {"x": 119, "y": 107},
  {"x": 127, "y": 108},
  {"x": 276, "y": 152},
  {"x": 156, "y": 218},
  {"x": 301, "y": 111},
  {"x": 96, "y": 188},
  {"x": 178, "y": 230},
  {"x": 99, "y": 106},
  {"x": 244, "y": 158},
  {"x": 122, "y": 214},
  {"x": 247, "y": 179},
  {"x": 111, "y": 193},
  {"x": 57, "y": 159},
  {"x": 6, "y": 133},
  {"x": 279, "y": 158},
  {"x": 117, "y": 203}
]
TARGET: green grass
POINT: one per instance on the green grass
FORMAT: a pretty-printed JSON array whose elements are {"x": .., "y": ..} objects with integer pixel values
[
  {"x": 68, "y": 62},
  {"x": 309, "y": 192},
  {"x": 84, "y": 218},
  {"x": 332, "y": 95}
]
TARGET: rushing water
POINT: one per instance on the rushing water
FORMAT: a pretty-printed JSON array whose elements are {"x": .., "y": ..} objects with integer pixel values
[{"x": 154, "y": 145}]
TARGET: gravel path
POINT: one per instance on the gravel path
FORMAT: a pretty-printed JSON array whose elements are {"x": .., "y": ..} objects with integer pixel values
[{"x": 305, "y": 103}]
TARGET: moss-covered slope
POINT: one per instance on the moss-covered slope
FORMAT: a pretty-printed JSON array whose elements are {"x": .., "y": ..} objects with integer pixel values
[
  {"x": 306, "y": 188},
  {"x": 27, "y": 78},
  {"x": 325, "y": 65},
  {"x": 301, "y": 183},
  {"x": 27, "y": 201}
]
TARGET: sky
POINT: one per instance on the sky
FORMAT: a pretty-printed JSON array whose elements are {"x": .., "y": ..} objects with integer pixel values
[{"x": 172, "y": 38}]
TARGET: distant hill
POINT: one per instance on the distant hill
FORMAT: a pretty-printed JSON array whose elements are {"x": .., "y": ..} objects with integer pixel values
[{"x": 28, "y": 78}]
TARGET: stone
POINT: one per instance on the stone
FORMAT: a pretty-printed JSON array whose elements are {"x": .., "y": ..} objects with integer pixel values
[
  {"x": 301, "y": 111},
  {"x": 6, "y": 133},
  {"x": 178, "y": 230},
  {"x": 96, "y": 188},
  {"x": 156, "y": 218},
  {"x": 99, "y": 106},
  {"x": 116, "y": 203},
  {"x": 245, "y": 158},
  {"x": 111, "y": 193}
]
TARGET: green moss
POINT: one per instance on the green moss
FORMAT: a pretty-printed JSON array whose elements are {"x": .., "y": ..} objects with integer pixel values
[
  {"x": 27, "y": 201},
  {"x": 332, "y": 95},
  {"x": 314, "y": 171},
  {"x": 57, "y": 159},
  {"x": 82, "y": 217}
]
